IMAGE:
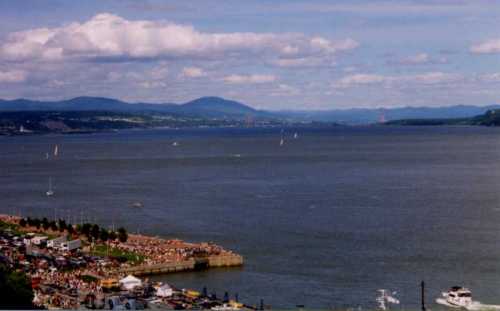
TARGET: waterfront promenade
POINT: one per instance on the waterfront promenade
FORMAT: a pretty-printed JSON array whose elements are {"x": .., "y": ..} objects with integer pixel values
[{"x": 90, "y": 272}]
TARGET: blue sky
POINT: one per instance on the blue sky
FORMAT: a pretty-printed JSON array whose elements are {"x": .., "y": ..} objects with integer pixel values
[{"x": 268, "y": 54}]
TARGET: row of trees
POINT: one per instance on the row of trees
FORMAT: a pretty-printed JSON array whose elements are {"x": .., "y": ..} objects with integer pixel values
[{"x": 91, "y": 231}]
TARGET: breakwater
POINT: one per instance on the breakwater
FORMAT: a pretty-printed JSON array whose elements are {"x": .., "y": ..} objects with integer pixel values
[{"x": 192, "y": 264}]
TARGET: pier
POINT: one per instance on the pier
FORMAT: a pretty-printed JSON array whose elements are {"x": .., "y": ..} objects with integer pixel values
[{"x": 186, "y": 265}]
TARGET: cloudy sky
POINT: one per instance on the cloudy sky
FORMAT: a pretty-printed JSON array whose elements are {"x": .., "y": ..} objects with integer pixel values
[{"x": 272, "y": 54}]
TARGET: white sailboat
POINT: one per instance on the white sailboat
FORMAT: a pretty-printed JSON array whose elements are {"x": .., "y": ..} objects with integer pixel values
[
  {"x": 296, "y": 135},
  {"x": 50, "y": 192},
  {"x": 175, "y": 144},
  {"x": 282, "y": 141},
  {"x": 56, "y": 151}
]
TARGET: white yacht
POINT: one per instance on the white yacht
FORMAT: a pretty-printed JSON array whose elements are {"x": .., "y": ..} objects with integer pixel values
[{"x": 457, "y": 297}]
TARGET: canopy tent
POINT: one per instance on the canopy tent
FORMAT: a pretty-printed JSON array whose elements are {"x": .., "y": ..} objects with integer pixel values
[
  {"x": 164, "y": 291},
  {"x": 130, "y": 282}
]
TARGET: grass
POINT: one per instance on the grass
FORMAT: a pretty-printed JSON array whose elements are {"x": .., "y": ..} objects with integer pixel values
[
  {"x": 131, "y": 257},
  {"x": 8, "y": 226}
]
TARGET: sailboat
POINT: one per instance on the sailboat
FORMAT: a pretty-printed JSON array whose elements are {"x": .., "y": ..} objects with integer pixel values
[
  {"x": 282, "y": 141},
  {"x": 50, "y": 192},
  {"x": 296, "y": 135},
  {"x": 56, "y": 151}
]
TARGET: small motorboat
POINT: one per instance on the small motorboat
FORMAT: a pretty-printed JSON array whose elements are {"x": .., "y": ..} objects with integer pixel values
[
  {"x": 456, "y": 297},
  {"x": 137, "y": 205}
]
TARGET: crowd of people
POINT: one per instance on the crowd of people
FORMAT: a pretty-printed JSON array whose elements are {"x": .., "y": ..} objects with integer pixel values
[
  {"x": 158, "y": 251},
  {"x": 65, "y": 279}
]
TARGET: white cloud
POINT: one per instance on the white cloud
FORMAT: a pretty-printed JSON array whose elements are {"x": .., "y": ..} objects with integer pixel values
[
  {"x": 429, "y": 78},
  {"x": 302, "y": 62},
  {"x": 249, "y": 79},
  {"x": 490, "y": 77},
  {"x": 360, "y": 78},
  {"x": 193, "y": 72},
  {"x": 12, "y": 76},
  {"x": 487, "y": 47},
  {"x": 159, "y": 72},
  {"x": 419, "y": 59},
  {"x": 111, "y": 36},
  {"x": 285, "y": 90}
]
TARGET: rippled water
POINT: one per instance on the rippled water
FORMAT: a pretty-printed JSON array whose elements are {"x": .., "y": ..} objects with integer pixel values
[{"x": 324, "y": 220}]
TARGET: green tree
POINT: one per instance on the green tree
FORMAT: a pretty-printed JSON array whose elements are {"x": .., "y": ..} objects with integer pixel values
[
  {"x": 95, "y": 231},
  {"x": 104, "y": 235},
  {"x": 85, "y": 230},
  {"x": 62, "y": 225},
  {"x": 122, "y": 235},
  {"x": 45, "y": 223},
  {"x": 16, "y": 290},
  {"x": 112, "y": 236},
  {"x": 23, "y": 222},
  {"x": 71, "y": 229},
  {"x": 53, "y": 225},
  {"x": 36, "y": 223}
]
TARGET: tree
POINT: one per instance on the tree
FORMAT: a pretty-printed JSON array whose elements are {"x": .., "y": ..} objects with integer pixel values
[
  {"x": 53, "y": 225},
  {"x": 94, "y": 232},
  {"x": 85, "y": 230},
  {"x": 70, "y": 229},
  {"x": 23, "y": 222},
  {"x": 45, "y": 223},
  {"x": 16, "y": 290},
  {"x": 36, "y": 223},
  {"x": 104, "y": 235},
  {"x": 122, "y": 235},
  {"x": 62, "y": 225},
  {"x": 112, "y": 236}
]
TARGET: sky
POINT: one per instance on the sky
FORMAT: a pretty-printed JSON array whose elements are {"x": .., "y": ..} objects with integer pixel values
[{"x": 268, "y": 54}]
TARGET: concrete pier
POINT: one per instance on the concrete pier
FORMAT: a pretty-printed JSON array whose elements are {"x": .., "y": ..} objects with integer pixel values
[{"x": 187, "y": 265}]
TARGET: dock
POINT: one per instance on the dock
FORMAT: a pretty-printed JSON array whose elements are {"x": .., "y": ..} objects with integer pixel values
[{"x": 192, "y": 264}]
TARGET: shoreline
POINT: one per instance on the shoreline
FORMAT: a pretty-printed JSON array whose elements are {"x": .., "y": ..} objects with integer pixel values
[{"x": 81, "y": 271}]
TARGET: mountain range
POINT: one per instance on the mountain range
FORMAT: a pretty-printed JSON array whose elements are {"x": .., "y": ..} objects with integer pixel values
[{"x": 220, "y": 108}]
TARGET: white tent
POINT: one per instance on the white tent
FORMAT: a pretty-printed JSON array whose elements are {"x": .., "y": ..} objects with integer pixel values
[
  {"x": 164, "y": 291},
  {"x": 130, "y": 282}
]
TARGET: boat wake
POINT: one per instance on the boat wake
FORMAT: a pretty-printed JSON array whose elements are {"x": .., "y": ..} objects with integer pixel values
[{"x": 473, "y": 306}]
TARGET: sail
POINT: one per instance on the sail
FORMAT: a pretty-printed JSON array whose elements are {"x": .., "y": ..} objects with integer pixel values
[{"x": 56, "y": 151}]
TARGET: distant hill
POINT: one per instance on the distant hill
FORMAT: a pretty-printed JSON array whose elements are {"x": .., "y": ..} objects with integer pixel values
[
  {"x": 210, "y": 107},
  {"x": 220, "y": 108},
  {"x": 489, "y": 118},
  {"x": 367, "y": 116}
]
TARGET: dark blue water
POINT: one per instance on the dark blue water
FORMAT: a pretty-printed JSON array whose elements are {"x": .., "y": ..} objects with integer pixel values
[{"x": 324, "y": 220}]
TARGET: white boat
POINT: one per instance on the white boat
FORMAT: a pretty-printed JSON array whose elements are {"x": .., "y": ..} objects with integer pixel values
[
  {"x": 282, "y": 142},
  {"x": 137, "y": 205},
  {"x": 456, "y": 297},
  {"x": 175, "y": 144},
  {"x": 225, "y": 307},
  {"x": 50, "y": 192},
  {"x": 385, "y": 298},
  {"x": 296, "y": 135},
  {"x": 56, "y": 151}
]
